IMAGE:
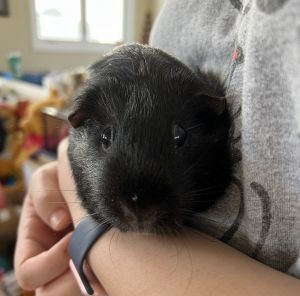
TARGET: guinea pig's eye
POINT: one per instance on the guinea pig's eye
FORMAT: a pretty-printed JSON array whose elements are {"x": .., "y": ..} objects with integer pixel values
[
  {"x": 107, "y": 137},
  {"x": 179, "y": 135}
]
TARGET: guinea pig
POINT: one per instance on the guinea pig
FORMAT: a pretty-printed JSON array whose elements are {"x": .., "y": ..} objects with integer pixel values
[{"x": 149, "y": 141}]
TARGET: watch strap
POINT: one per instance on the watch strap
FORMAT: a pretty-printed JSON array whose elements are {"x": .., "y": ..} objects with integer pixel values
[{"x": 84, "y": 236}]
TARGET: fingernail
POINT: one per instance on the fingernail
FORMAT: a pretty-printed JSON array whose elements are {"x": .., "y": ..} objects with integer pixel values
[{"x": 57, "y": 217}]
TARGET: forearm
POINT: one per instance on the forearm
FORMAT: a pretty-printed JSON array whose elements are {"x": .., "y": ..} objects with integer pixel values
[
  {"x": 131, "y": 264},
  {"x": 192, "y": 264}
]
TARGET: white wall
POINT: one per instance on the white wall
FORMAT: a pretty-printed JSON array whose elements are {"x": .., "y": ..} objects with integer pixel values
[
  {"x": 156, "y": 7},
  {"x": 15, "y": 35}
]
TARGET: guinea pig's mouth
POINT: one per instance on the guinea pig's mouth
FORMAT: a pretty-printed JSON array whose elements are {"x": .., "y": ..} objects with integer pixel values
[
  {"x": 147, "y": 228},
  {"x": 136, "y": 227},
  {"x": 153, "y": 221},
  {"x": 158, "y": 218},
  {"x": 142, "y": 222}
]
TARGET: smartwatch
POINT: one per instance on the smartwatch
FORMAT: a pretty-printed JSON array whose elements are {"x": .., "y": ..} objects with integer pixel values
[{"x": 84, "y": 236}]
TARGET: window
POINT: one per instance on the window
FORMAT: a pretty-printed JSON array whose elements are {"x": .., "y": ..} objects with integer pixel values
[{"x": 81, "y": 25}]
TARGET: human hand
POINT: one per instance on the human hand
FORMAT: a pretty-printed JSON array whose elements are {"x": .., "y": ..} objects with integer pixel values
[{"x": 41, "y": 258}]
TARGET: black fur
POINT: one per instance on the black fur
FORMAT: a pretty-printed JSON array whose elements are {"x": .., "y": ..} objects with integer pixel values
[{"x": 141, "y": 93}]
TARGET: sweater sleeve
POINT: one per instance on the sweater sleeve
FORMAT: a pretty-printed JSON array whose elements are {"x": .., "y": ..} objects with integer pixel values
[{"x": 254, "y": 47}]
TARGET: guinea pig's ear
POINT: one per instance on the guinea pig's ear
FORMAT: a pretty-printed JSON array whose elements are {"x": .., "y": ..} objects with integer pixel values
[
  {"x": 77, "y": 118},
  {"x": 214, "y": 104}
]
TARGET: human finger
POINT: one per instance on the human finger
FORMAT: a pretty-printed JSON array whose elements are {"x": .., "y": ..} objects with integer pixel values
[
  {"x": 37, "y": 270},
  {"x": 47, "y": 265},
  {"x": 64, "y": 285},
  {"x": 47, "y": 199},
  {"x": 40, "y": 254}
]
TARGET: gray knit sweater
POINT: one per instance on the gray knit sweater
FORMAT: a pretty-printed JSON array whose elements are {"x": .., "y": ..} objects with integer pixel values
[{"x": 254, "y": 47}]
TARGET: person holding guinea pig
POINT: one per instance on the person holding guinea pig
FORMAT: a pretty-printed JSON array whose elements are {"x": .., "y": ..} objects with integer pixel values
[{"x": 251, "y": 240}]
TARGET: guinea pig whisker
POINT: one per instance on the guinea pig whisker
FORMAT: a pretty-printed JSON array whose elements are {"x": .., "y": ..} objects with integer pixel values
[
  {"x": 97, "y": 222},
  {"x": 160, "y": 230},
  {"x": 92, "y": 229},
  {"x": 202, "y": 202},
  {"x": 192, "y": 166},
  {"x": 85, "y": 216},
  {"x": 63, "y": 202},
  {"x": 193, "y": 127},
  {"x": 187, "y": 211},
  {"x": 204, "y": 191},
  {"x": 194, "y": 217},
  {"x": 80, "y": 219},
  {"x": 92, "y": 214},
  {"x": 110, "y": 242},
  {"x": 201, "y": 194},
  {"x": 169, "y": 230},
  {"x": 52, "y": 190},
  {"x": 206, "y": 188},
  {"x": 192, "y": 196}
]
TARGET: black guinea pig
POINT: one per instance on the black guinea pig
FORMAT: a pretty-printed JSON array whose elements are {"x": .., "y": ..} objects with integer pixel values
[{"x": 149, "y": 141}]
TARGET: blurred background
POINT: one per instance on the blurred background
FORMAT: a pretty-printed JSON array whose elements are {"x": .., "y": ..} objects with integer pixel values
[{"x": 44, "y": 51}]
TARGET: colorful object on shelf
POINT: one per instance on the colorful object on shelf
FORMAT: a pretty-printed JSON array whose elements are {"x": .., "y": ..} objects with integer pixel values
[
  {"x": 32, "y": 125},
  {"x": 10, "y": 174},
  {"x": 23, "y": 128},
  {"x": 8, "y": 181},
  {"x": 15, "y": 64}
]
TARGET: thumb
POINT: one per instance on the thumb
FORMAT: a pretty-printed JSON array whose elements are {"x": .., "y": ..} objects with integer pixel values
[{"x": 47, "y": 199}]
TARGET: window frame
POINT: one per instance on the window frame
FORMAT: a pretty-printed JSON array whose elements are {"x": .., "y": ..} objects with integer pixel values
[{"x": 82, "y": 46}]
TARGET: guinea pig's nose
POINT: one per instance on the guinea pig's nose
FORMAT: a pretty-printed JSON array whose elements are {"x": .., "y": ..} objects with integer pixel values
[{"x": 137, "y": 205}]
